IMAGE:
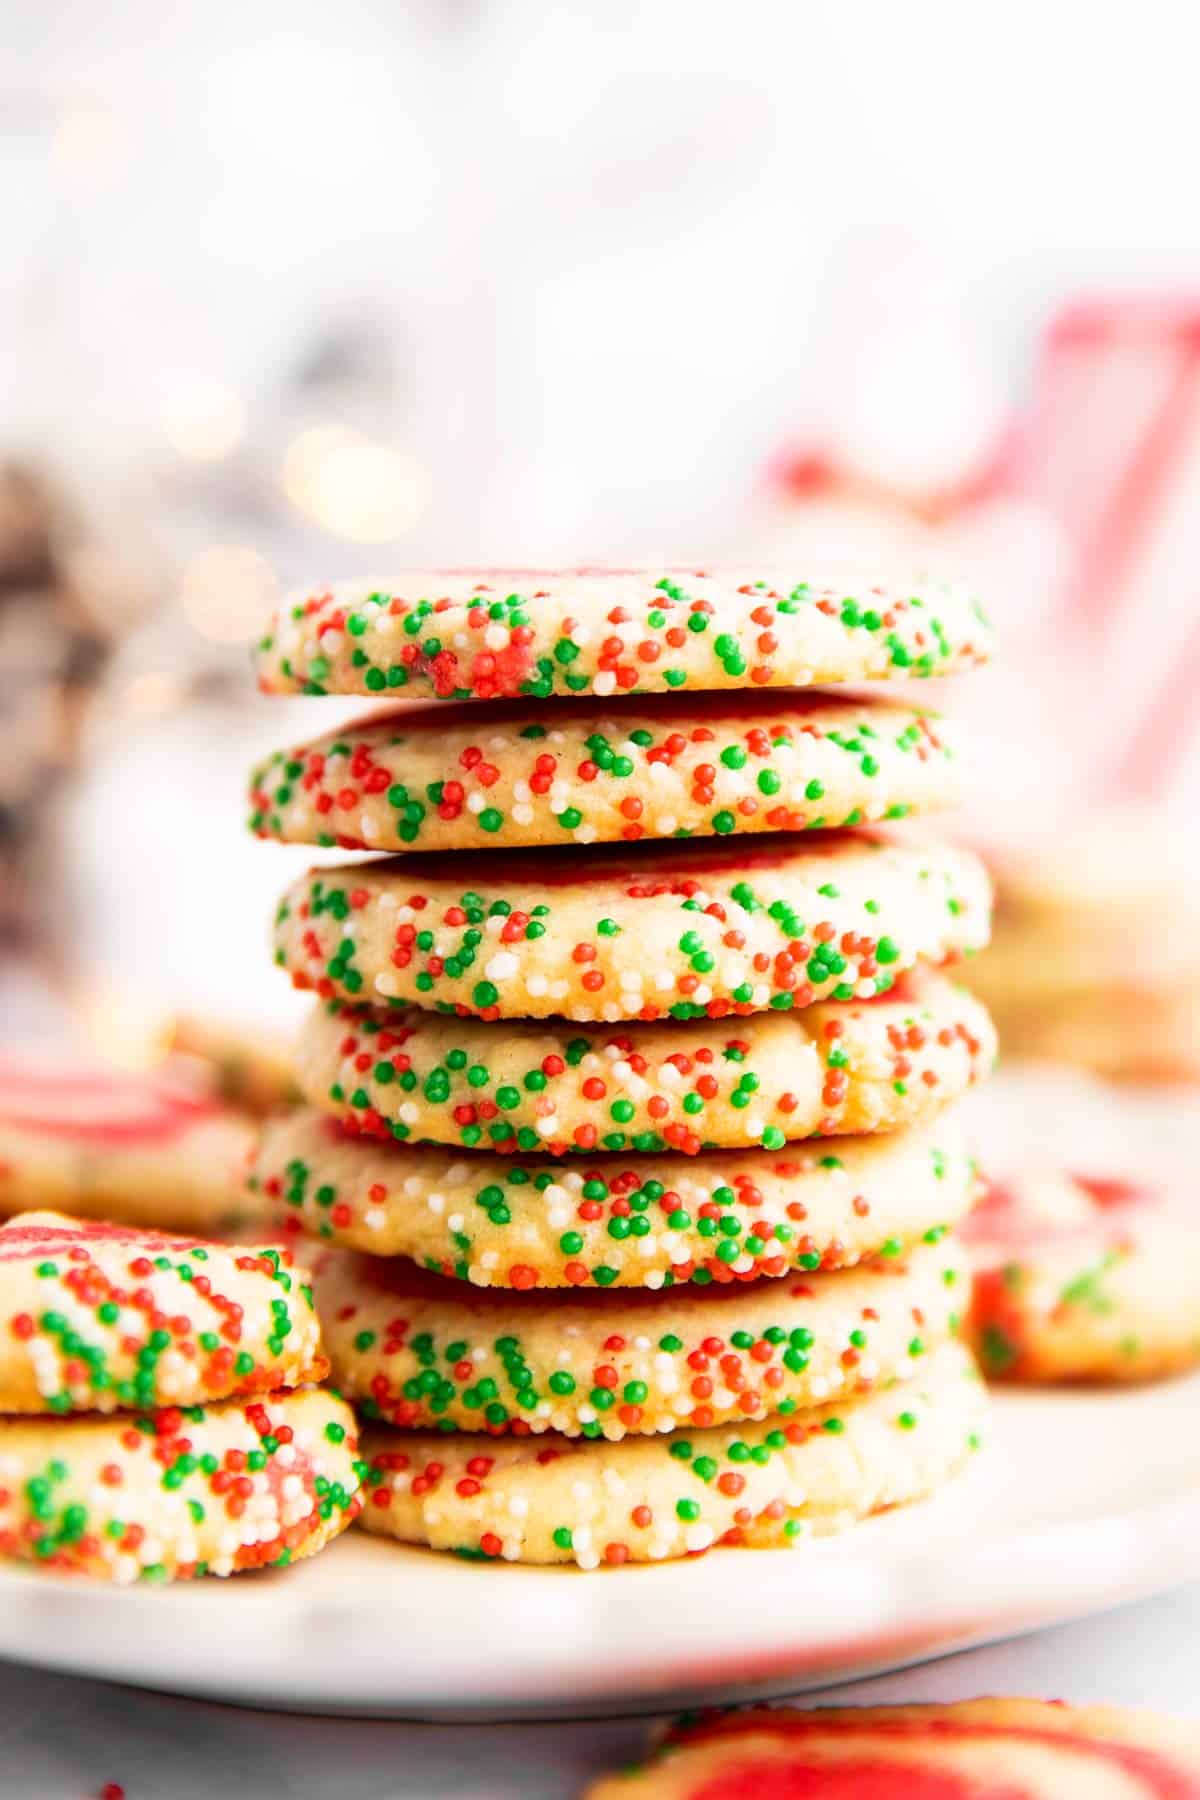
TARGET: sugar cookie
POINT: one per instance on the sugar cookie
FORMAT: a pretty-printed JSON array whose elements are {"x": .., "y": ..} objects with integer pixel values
[
  {"x": 649, "y": 931},
  {"x": 618, "y": 1221},
  {"x": 763, "y": 1483}
]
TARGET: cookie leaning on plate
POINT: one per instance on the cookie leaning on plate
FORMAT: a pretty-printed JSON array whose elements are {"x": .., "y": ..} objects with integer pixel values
[
  {"x": 94, "y": 1318},
  {"x": 763, "y": 1483},
  {"x": 420, "y": 1350},
  {"x": 202, "y": 1490},
  {"x": 1078, "y": 1279},
  {"x": 101, "y": 1143},
  {"x": 513, "y": 774},
  {"x": 488, "y": 634},
  {"x": 618, "y": 1221},
  {"x": 641, "y": 931},
  {"x": 1031, "y": 1749},
  {"x": 835, "y": 1068}
]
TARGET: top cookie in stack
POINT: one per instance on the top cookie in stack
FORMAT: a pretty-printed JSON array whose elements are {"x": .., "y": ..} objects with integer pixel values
[
  {"x": 625, "y": 1042},
  {"x": 499, "y": 633}
]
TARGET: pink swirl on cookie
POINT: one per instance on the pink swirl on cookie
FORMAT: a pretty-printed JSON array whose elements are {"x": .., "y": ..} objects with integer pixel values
[
  {"x": 975, "y": 1750},
  {"x": 1059, "y": 1209},
  {"x": 102, "y": 1106},
  {"x": 19, "y": 1240}
]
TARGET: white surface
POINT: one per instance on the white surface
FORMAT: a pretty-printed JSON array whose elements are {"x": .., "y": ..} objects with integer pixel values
[
  {"x": 1079, "y": 1502},
  {"x": 61, "y": 1738}
]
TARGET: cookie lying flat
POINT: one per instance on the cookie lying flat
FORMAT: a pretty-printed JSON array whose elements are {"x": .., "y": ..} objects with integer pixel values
[
  {"x": 1084, "y": 1280},
  {"x": 508, "y": 774},
  {"x": 198, "y": 1491},
  {"x": 96, "y": 1317},
  {"x": 836, "y": 1068},
  {"x": 766, "y": 1482},
  {"x": 650, "y": 931},
  {"x": 489, "y": 633},
  {"x": 973, "y": 1750},
  {"x": 635, "y": 1221},
  {"x": 414, "y": 1349},
  {"x": 102, "y": 1144}
]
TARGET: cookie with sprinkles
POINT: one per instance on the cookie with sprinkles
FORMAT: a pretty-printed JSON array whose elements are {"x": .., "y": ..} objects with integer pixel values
[
  {"x": 762, "y": 1483},
  {"x": 490, "y": 634},
  {"x": 414, "y": 1349},
  {"x": 181, "y": 1492},
  {"x": 837, "y": 1068},
  {"x": 101, "y": 1143},
  {"x": 1019, "y": 1749},
  {"x": 96, "y": 1318},
  {"x": 618, "y": 1221},
  {"x": 1084, "y": 1279},
  {"x": 622, "y": 932},
  {"x": 513, "y": 774}
]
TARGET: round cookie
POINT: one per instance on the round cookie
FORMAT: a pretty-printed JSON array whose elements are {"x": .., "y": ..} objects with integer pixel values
[
  {"x": 507, "y": 774},
  {"x": 1116, "y": 1029},
  {"x": 183, "y": 1492},
  {"x": 1078, "y": 1279},
  {"x": 1095, "y": 960},
  {"x": 94, "y": 1318},
  {"x": 484, "y": 634},
  {"x": 103, "y": 1144},
  {"x": 628, "y": 1222},
  {"x": 250, "y": 1070},
  {"x": 616, "y": 932},
  {"x": 414, "y": 1349},
  {"x": 1007, "y": 1749},
  {"x": 836, "y": 1068},
  {"x": 765, "y": 1482}
]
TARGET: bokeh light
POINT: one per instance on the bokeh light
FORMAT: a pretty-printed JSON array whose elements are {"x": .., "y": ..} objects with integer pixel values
[{"x": 227, "y": 591}]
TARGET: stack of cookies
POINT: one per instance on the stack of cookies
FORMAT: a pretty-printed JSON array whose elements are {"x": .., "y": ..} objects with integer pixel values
[
  {"x": 629, "y": 1084},
  {"x": 149, "y": 1430}
]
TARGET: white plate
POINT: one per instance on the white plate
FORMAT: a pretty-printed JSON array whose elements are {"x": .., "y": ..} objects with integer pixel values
[{"x": 1078, "y": 1502}]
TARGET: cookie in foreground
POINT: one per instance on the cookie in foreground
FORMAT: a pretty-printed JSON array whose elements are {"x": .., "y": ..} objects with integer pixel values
[
  {"x": 185, "y": 1491},
  {"x": 761, "y": 1484},
  {"x": 972, "y": 1750},
  {"x": 96, "y": 1318}
]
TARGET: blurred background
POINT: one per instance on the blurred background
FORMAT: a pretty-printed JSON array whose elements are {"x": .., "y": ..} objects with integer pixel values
[{"x": 294, "y": 292}]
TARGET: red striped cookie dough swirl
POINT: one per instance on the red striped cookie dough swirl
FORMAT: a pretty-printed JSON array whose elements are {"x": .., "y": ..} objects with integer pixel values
[
  {"x": 763, "y": 1483},
  {"x": 96, "y": 1317},
  {"x": 181, "y": 1492},
  {"x": 490, "y": 633},
  {"x": 418, "y": 1350},
  {"x": 102, "y": 1143},
  {"x": 618, "y": 1221},
  {"x": 513, "y": 774},
  {"x": 681, "y": 931},
  {"x": 974, "y": 1750},
  {"x": 834, "y": 1069},
  {"x": 1084, "y": 1279}
]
